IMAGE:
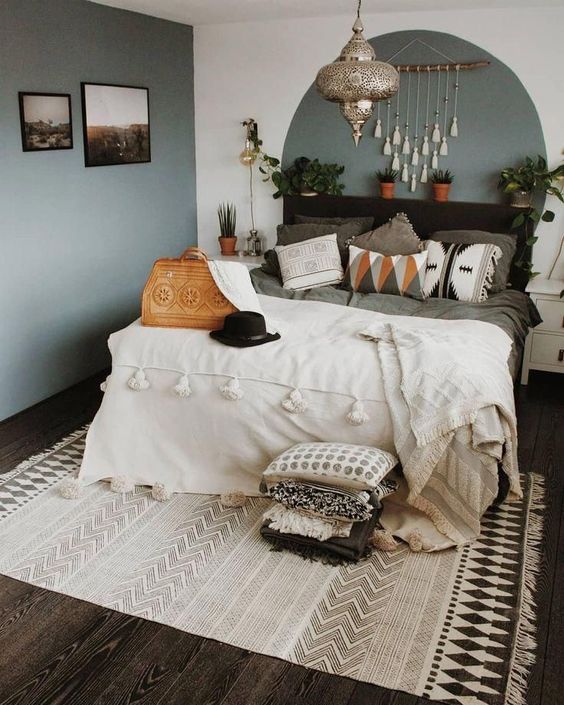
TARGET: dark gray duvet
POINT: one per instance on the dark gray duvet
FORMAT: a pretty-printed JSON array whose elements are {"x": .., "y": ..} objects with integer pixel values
[{"x": 513, "y": 311}]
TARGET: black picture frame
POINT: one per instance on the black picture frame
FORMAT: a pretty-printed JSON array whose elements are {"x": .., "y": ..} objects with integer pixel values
[
  {"x": 128, "y": 142},
  {"x": 44, "y": 137}
]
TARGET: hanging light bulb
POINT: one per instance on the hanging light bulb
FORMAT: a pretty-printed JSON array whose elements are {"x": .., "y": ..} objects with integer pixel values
[
  {"x": 249, "y": 154},
  {"x": 356, "y": 80}
]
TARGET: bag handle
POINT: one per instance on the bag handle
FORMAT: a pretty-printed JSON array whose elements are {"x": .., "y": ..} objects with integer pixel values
[{"x": 194, "y": 253}]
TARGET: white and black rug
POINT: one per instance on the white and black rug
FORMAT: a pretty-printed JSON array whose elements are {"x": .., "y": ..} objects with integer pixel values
[{"x": 456, "y": 626}]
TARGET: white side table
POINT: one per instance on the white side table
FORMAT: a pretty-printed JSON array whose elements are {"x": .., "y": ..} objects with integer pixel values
[
  {"x": 247, "y": 260},
  {"x": 544, "y": 348}
]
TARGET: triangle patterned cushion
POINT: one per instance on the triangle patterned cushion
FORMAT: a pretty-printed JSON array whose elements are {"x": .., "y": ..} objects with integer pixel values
[{"x": 373, "y": 273}]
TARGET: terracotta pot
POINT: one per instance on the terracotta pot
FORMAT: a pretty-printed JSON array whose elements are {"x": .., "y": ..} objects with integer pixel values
[
  {"x": 387, "y": 189},
  {"x": 440, "y": 192},
  {"x": 227, "y": 245}
]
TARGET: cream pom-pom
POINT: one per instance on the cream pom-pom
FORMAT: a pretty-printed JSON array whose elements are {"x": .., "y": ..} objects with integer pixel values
[
  {"x": 383, "y": 540},
  {"x": 415, "y": 540},
  {"x": 121, "y": 483},
  {"x": 232, "y": 390},
  {"x": 233, "y": 498},
  {"x": 70, "y": 488},
  {"x": 138, "y": 382},
  {"x": 160, "y": 492},
  {"x": 357, "y": 415},
  {"x": 295, "y": 402}
]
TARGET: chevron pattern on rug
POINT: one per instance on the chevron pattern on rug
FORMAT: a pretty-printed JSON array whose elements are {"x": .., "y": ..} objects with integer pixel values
[{"x": 454, "y": 626}]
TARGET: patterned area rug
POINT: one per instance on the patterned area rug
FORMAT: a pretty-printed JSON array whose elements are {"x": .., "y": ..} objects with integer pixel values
[{"x": 456, "y": 626}]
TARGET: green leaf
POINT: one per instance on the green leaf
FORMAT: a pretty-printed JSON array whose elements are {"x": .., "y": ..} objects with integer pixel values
[
  {"x": 548, "y": 216},
  {"x": 530, "y": 241},
  {"x": 535, "y": 215},
  {"x": 518, "y": 220}
]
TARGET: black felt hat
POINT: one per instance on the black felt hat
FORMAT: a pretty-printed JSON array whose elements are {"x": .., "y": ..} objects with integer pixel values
[{"x": 243, "y": 329}]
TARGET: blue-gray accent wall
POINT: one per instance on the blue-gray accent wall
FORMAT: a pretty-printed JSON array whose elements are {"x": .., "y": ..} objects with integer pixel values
[
  {"x": 498, "y": 122},
  {"x": 77, "y": 243}
]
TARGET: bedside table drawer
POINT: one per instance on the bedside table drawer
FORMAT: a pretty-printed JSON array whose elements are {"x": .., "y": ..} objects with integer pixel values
[
  {"x": 548, "y": 349},
  {"x": 552, "y": 313}
]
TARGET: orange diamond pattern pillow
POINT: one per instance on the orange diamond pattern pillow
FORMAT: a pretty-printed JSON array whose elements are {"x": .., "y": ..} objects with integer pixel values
[{"x": 373, "y": 273}]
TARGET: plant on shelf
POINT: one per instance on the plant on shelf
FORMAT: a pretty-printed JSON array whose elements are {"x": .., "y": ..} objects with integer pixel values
[
  {"x": 441, "y": 182},
  {"x": 387, "y": 179},
  {"x": 227, "y": 216},
  {"x": 522, "y": 183},
  {"x": 304, "y": 177}
]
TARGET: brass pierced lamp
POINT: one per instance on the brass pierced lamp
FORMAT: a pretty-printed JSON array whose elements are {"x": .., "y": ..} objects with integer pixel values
[{"x": 356, "y": 80}]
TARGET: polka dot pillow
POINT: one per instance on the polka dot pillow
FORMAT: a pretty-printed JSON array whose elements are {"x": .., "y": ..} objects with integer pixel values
[{"x": 335, "y": 464}]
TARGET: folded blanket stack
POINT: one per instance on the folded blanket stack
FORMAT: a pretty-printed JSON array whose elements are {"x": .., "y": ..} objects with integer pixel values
[{"x": 326, "y": 499}]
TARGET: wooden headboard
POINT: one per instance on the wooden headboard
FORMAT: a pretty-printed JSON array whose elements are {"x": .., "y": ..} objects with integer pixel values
[{"x": 426, "y": 217}]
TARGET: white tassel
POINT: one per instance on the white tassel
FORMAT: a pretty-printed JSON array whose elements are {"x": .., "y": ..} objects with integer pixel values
[
  {"x": 444, "y": 147},
  {"x": 425, "y": 146},
  {"x": 424, "y": 175},
  {"x": 436, "y": 136},
  {"x": 121, "y": 483},
  {"x": 160, "y": 492},
  {"x": 104, "y": 384},
  {"x": 70, "y": 488},
  {"x": 413, "y": 181},
  {"x": 295, "y": 402},
  {"x": 387, "y": 147},
  {"x": 378, "y": 128},
  {"x": 232, "y": 390},
  {"x": 454, "y": 127},
  {"x": 182, "y": 389},
  {"x": 415, "y": 157},
  {"x": 435, "y": 160},
  {"x": 138, "y": 382},
  {"x": 396, "y": 137},
  {"x": 405, "y": 173},
  {"x": 406, "y": 149},
  {"x": 357, "y": 415},
  {"x": 396, "y": 162}
]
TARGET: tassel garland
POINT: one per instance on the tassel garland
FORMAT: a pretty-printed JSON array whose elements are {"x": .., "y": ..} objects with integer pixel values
[
  {"x": 436, "y": 136},
  {"x": 396, "y": 137},
  {"x": 406, "y": 149},
  {"x": 138, "y": 382},
  {"x": 444, "y": 147},
  {"x": 454, "y": 127},
  {"x": 435, "y": 160},
  {"x": 396, "y": 162},
  {"x": 424, "y": 174},
  {"x": 425, "y": 146},
  {"x": 387, "y": 147},
  {"x": 295, "y": 402},
  {"x": 182, "y": 389},
  {"x": 405, "y": 173},
  {"x": 378, "y": 128},
  {"x": 232, "y": 391},
  {"x": 415, "y": 157},
  {"x": 413, "y": 186},
  {"x": 357, "y": 415}
]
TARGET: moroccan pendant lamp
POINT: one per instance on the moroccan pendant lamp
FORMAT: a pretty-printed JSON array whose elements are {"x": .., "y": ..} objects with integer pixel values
[{"x": 356, "y": 80}]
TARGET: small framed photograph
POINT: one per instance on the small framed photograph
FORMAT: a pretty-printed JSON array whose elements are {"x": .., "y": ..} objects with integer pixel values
[
  {"x": 116, "y": 124},
  {"x": 46, "y": 121}
]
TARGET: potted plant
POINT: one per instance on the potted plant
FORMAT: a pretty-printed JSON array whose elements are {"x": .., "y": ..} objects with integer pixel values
[
  {"x": 227, "y": 216},
  {"x": 387, "y": 179},
  {"x": 441, "y": 181},
  {"x": 304, "y": 177}
]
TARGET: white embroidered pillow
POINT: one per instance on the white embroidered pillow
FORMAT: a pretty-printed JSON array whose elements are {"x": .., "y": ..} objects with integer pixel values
[
  {"x": 310, "y": 263},
  {"x": 334, "y": 464},
  {"x": 459, "y": 271}
]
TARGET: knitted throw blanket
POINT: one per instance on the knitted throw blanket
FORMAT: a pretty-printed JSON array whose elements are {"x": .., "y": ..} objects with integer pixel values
[{"x": 450, "y": 396}]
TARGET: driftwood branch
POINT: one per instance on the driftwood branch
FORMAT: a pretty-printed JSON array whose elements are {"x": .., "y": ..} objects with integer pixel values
[{"x": 423, "y": 68}]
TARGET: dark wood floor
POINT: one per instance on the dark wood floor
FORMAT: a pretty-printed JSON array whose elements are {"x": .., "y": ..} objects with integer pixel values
[{"x": 55, "y": 650}]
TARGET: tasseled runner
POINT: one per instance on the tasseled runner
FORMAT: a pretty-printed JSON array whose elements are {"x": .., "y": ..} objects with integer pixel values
[
  {"x": 357, "y": 415},
  {"x": 232, "y": 390},
  {"x": 182, "y": 389},
  {"x": 138, "y": 382},
  {"x": 295, "y": 402}
]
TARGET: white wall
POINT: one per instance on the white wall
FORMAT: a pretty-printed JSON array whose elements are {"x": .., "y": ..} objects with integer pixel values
[{"x": 263, "y": 69}]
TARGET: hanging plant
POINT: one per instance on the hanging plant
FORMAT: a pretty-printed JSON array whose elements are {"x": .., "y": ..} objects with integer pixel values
[{"x": 304, "y": 176}]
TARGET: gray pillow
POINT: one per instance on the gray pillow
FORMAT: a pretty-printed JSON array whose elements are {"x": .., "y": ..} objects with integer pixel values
[
  {"x": 396, "y": 237},
  {"x": 506, "y": 243},
  {"x": 366, "y": 222},
  {"x": 291, "y": 234}
]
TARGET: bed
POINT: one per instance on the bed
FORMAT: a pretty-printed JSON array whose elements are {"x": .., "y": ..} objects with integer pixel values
[{"x": 237, "y": 414}]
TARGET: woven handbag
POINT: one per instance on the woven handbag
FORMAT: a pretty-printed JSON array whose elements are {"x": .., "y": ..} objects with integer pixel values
[{"x": 181, "y": 293}]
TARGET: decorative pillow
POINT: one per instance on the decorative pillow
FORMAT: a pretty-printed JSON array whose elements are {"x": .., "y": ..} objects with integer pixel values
[
  {"x": 310, "y": 263},
  {"x": 336, "y": 464},
  {"x": 290, "y": 234},
  {"x": 396, "y": 237},
  {"x": 460, "y": 272},
  {"x": 374, "y": 273},
  {"x": 506, "y": 243},
  {"x": 363, "y": 221},
  {"x": 319, "y": 500}
]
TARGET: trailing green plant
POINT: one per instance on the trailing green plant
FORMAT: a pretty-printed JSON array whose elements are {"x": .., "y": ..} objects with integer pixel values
[
  {"x": 388, "y": 176},
  {"x": 533, "y": 177},
  {"x": 303, "y": 174},
  {"x": 227, "y": 216},
  {"x": 442, "y": 177}
]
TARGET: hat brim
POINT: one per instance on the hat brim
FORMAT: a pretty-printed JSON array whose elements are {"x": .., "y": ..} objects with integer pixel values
[{"x": 220, "y": 336}]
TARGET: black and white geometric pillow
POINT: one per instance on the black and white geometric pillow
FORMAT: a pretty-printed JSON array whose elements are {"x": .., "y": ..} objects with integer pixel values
[{"x": 460, "y": 272}]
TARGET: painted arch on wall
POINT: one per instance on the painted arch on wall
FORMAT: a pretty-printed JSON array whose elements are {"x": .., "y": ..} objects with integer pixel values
[{"x": 498, "y": 122}]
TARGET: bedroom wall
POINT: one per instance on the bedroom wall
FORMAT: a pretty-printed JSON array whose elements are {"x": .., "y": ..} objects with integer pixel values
[
  {"x": 78, "y": 243},
  {"x": 263, "y": 70}
]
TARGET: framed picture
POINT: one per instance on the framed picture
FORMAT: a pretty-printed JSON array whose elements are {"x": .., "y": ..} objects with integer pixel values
[
  {"x": 115, "y": 124},
  {"x": 46, "y": 121}
]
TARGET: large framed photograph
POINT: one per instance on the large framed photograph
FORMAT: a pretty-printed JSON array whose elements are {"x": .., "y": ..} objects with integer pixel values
[
  {"x": 46, "y": 121},
  {"x": 116, "y": 124}
]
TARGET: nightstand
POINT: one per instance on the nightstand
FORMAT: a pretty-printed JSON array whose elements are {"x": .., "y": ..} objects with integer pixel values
[
  {"x": 248, "y": 261},
  {"x": 544, "y": 348}
]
